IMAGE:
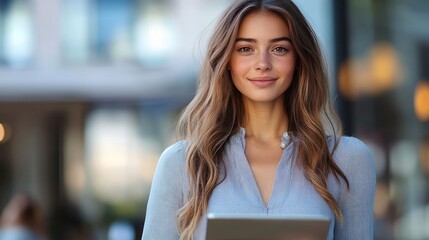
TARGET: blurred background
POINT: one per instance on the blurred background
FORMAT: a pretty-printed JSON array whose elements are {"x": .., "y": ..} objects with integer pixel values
[{"x": 90, "y": 91}]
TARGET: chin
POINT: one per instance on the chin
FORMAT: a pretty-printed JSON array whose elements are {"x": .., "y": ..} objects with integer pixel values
[{"x": 264, "y": 99}]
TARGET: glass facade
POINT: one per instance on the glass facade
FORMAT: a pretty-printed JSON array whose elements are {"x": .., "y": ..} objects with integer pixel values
[
  {"x": 119, "y": 32},
  {"x": 383, "y": 83}
]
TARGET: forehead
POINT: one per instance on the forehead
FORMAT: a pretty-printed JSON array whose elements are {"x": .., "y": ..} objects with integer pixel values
[{"x": 263, "y": 24}]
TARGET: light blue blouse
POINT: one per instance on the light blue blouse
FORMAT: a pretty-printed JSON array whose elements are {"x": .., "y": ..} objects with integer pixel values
[{"x": 292, "y": 193}]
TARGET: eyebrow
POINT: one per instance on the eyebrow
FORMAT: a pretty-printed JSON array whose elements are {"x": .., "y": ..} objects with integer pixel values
[{"x": 252, "y": 40}]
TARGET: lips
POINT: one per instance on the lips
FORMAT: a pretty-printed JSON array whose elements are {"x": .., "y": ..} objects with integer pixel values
[{"x": 263, "y": 81}]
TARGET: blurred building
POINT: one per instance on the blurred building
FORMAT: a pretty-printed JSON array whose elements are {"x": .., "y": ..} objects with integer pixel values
[
  {"x": 90, "y": 91},
  {"x": 383, "y": 83}
]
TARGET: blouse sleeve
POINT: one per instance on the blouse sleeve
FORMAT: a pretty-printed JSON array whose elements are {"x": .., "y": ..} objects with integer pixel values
[
  {"x": 166, "y": 195},
  {"x": 356, "y": 161}
]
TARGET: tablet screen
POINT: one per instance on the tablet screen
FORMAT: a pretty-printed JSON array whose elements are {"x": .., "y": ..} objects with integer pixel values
[{"x": 264, "y": 227}]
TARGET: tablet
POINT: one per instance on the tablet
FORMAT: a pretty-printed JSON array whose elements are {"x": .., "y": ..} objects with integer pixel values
[{"x": 264, "y": 227}]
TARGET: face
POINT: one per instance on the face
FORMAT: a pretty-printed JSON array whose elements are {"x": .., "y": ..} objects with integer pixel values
[{"x": 263, "y": 60}]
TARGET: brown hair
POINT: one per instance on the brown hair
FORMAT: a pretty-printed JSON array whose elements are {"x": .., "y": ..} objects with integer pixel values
[{"x": 217, "y": 111}]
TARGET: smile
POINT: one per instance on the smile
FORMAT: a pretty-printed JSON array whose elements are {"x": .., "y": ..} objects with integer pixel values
[{"x": 263, "y": 81}]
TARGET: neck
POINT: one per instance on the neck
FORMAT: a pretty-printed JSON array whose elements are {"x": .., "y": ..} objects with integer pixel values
[{"x": 265, "y": 121}]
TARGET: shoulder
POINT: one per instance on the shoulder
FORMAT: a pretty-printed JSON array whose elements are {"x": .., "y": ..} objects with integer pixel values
[
  {"x": 352, "y": 153},
  {"x": 172, "y": 158},
  {"x": 352, "y": 145},
  {"x": 174, "y": 151},
  {"x": 170, "y": 172},
  {"x": 356, "y": 199},
  {"x": 168, "y": 189}
]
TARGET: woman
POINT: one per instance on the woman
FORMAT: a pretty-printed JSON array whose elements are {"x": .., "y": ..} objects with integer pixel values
[
  {"x": 260, "y": 136},
  {"x": 21, "y": 219}
]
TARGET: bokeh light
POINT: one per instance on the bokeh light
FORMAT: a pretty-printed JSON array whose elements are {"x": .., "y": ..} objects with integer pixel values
[
  {"x": 19, "y": 36},
  {"x": 374, "y": 73},
  {"x": 2, "y": 133},
  {"x": 5, "y": 132},
  {"x": 421, "y": 101},
  {"x": 384, "y": 68}
]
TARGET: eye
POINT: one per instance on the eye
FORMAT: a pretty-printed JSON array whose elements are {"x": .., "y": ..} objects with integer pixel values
[
  {"x": 245, "y": 49},
  {"x": 280, "y": 50}
]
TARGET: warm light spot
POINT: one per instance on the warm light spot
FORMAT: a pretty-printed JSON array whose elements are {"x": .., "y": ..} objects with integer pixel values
[
  {"x": 2, "y": 133},
  {"x": 354, "y": 79},
  {"x": 74, "y": 177},
  {"x": 377, "y": 71},
  {"x": 421, "y": 101},
  {"x": 381, "y": 199},
  {"x": 385, "y": 67},
  {"x": 118, "y": 157}
]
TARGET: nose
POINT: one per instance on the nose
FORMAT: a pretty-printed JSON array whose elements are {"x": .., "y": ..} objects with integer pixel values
[{"x": 263, "y": 62}]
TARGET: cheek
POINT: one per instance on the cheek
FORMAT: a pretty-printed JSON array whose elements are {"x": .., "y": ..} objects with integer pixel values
[
  {"x": 239, "y": 67},
  {"x": 237, "y": 76},
  {"x": 287, "y": 67}
]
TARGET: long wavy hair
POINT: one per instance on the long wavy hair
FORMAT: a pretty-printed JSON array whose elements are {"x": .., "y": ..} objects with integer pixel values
[{"x": 217, "y": 112}]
